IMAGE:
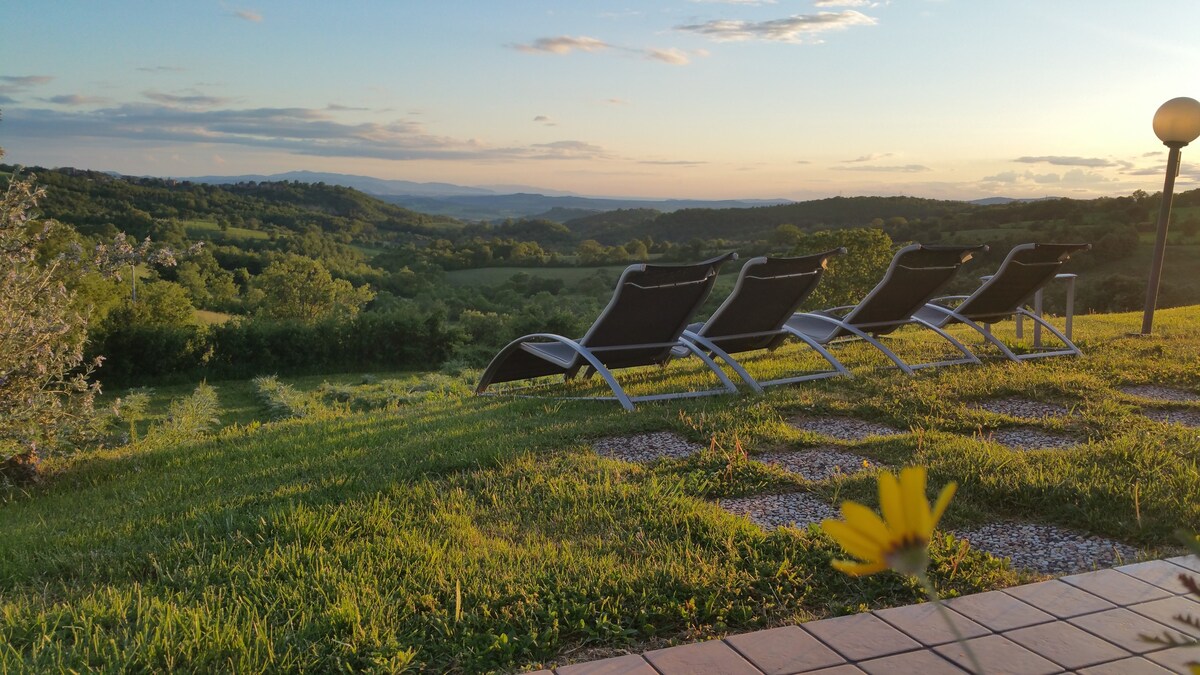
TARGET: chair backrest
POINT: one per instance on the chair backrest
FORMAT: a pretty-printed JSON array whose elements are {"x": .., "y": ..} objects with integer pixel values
[
  {"x": 917, "y": 273},
  {"x": 649, "y": 310},
  {"x": 768, "y": 292},
  {"x": 1027, "y": 268}
]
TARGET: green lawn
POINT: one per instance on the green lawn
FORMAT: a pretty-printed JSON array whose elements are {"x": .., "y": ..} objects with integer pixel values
[{"x": 461, "y": 533}]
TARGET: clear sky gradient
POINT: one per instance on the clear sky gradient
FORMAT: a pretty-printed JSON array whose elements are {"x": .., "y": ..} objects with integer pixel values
[{"x": 707, "y": 99}]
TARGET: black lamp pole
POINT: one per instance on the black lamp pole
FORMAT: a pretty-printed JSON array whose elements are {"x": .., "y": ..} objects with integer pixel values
[{"x": 1160, "y": 240}]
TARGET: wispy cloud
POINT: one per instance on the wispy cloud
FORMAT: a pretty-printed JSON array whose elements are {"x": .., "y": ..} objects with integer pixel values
[
  {"x": 568, "y": 150},
  {"x": 675, "y": 57},
  {"x": 76, "y": 99},
  {"x": 161, "y": 69},
  {"x": 868, "y": 158},
  {"x": 1072, "y": 177},
  {"x": 845, "y": 3},
  {"x": 736, "y": 2},
  {"x": 672, "y": 162},
  {"x": 248, "y": 15},
  {"x": 563, "y": 44},
  {"x": 337, "y": 107},
  {"x": 545, "y": 121},
  {"x": 796, "y": 29},
  {"x": 191, "y": 100},
  {"x": 1057, "y": 160},
  {"x": 905, "y": 168},
  {"x": 16, "y": 84}
]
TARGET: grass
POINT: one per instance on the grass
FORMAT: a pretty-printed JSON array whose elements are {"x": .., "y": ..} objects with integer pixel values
[
  {"x": 407, "y": 527},
  {"x": 208, "y": 229}
]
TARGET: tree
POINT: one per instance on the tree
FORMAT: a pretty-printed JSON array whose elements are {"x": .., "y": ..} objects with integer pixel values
[
  {"x": 850, "y": 276},
  {"x": 301, "y": 288}
]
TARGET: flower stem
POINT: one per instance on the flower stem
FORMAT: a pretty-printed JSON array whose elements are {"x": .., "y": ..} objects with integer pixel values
[{"x": 946, "y": 616}]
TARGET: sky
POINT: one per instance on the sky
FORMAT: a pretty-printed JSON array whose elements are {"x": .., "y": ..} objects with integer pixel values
[{"x": 703, "y": 99}]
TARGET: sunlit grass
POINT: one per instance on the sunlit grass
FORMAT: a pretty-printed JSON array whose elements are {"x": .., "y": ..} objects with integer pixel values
[{"x": 345, "y": 542}]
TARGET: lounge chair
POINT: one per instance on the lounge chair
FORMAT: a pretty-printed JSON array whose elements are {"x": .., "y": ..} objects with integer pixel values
[
  {"x": 916, "y": 274},
  {"x": 754, "y": 316},
  {"x": 648, "y": 312},
  {"x": 1026, "y": 269}
]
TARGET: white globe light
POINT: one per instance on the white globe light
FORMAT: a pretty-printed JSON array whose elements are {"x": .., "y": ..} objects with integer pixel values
[{"x": 1178, "y": 121}]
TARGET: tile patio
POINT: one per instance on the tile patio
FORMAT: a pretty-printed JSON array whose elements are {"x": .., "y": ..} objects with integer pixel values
[{"x": 1085, "y": 623}]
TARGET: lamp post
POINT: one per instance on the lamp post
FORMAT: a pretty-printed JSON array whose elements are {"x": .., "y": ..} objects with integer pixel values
[{"x": 1176, "y": 124}]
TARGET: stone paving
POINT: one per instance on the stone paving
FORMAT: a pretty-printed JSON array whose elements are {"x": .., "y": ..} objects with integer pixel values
[
  {"x": 843, "y": 428},
  {"x": 1085, "y": 623},
  {"x": 816, "y": 464},
  {"x": 1030, "y": 438},
  {"x": 1046, "y": 548},
  {"x": 1157, "y": 393},
  {"x": 1186, "y": 417},
  {"x": 798, "y": 509},
  {"x": 645, "y": 448},
  {"x": 1023, "y": 408}
]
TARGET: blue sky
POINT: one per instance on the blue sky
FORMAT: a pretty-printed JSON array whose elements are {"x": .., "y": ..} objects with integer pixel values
[{"x": 682, "y": 98}]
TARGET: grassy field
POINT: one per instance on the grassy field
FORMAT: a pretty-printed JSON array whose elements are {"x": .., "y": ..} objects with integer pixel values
[
  {"x": 402, "y": 524},
  {"x": 207, "y": 229}
]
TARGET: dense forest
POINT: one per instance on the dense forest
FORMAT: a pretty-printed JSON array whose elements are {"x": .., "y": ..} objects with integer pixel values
[{"x": 292, "y": 276}]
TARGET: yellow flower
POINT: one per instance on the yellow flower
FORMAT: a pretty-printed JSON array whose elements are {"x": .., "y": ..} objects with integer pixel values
[{"x": 899, "y": 540}]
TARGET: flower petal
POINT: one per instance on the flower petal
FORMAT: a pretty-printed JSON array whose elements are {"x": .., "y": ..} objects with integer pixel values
[
  {"x": 916, "y": 505},
  {"x": 855, "y": 543},
  {"x": 856, "y": 569},
  {"x": 868, "y": 523},
  {"x": 943, "y": 501},
  {"x": 890, "y": 504}
]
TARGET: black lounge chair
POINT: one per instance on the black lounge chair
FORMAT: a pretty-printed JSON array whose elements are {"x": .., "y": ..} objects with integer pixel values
[
  {"x": 1026, "y": 269},
  {"x": 754, "y": 316},
  {"x": 648, "y": 312},
  {"x": 916, "y": 274}
]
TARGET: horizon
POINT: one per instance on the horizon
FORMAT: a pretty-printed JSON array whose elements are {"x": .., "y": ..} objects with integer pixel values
[{"x": 681, "y": 99}]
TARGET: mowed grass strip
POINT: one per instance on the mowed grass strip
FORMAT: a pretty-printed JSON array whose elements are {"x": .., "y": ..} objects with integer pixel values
[{"x": 474, "y": 534}]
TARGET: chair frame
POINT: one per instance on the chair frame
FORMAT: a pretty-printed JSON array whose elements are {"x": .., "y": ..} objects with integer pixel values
[
  {"x": 863, "y": 331},
  {"x": 697, "y": 334},
  {"x": 947, "y": 315},
  {"x": 585, "y": 357}
]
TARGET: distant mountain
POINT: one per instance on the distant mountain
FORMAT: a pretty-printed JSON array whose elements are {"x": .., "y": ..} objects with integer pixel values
[
  {"x": 992, "y": 201},
  {"x": 522, "y": 205},
  {"x": 375, "y": 186}
]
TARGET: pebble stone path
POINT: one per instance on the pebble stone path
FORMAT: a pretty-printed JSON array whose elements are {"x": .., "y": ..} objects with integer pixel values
[
  {"x": 1047, "y": 549},
  {"x": 1030, "y": 438},
  {"x": 1188, "y": 418},
  {"x": 843, "y": 428},
  {"x": 645, "y": 448},
  {"x": 1023, "y": 408},
  {"x": 1157, "y": 393},
  {"x": 816, "y": 464},
  {"x": 800, "y": 509}
]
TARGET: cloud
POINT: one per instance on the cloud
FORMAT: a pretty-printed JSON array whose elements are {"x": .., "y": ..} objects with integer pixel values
[
  {"x": 736, "y": 2},
  {"x": 161, "y": 69},
  {"x": 15, "y": 84},
  {"x": 248, "y": 15},
  {"x": 299, "y": 131},
  {"x": 192, "y": 100},
  {"x": 1072, "y": 177},
  {"x": 675, "y": 57},
  {"x": 76, "y": 99},
  {"x": 868, "y": 158},
  {"x": 563, "y": 44},
  {"x": 616, "y": 101},
  {"x": 844, "y": 3},
  {"x": 906, "y": 168},
  {"x": 1093, "y": 162},
  {"x": 672, "y": 162},
  {"x": 545, "y": 120},
  {"x": 795, "y": 29},
  {"x": 7, "y": 99},
  {"x": 337, "y": 107}
]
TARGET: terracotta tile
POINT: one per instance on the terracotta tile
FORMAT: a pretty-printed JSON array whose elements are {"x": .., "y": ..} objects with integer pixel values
[
  {"x": 926, "y": 625},
  {"x": 1117, "y": 588},
  {"x": 700, "y": 658},
  {"x": 1175, "y": 659},
  {"x": 1165, "y": 611},
  {"x": 860, "y": 636},
  {"x": 784, "y": 650},
  {"x": 923, "y": 662},
  {"x": 1066, "y": 645},
  {"x": 998, "y": 611},
  {"x": 1132, "y": 666},
  {"x": 1122, "y": 628},
  {"x": 539, "y": 672},
  {"x": 997, "y": 654},
  {"x": 1161, "y": 573},
  {"x": 1060, "y": 599},
  {"x": 618, "y": 665},
  {"x": 846, "y": 669}
]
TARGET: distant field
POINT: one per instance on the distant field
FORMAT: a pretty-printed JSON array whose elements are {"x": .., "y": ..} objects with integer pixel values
[
  {"x": 209, "y": 318},
  {"x": 207, "y": 229},
  {"x": 487, "y": 276}
]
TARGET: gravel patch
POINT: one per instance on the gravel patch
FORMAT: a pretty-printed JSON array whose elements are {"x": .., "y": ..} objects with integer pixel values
[
  {"x": 843, "y": 428},
  {"x": 1157, "y": 393},
  {"x": 800, "y": 509},
  {"x": 1023, "y": 408},
  {"x": 1029, "y": 438},
  {"x": 815, "y": 463},
  {"x": 645, "y": 448},
  {"x": 1047, "y": 549},
  {"x": 1188, "y": 418}
]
